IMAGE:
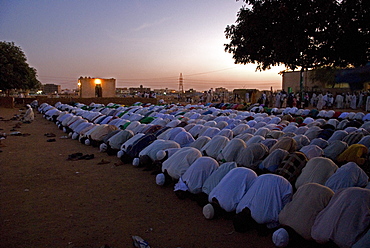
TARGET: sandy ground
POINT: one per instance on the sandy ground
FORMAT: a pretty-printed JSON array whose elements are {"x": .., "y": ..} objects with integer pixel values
[{"x": 48, "y": 201}]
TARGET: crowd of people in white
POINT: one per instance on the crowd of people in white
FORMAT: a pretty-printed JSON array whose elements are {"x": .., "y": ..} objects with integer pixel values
[{"x": 287, "y": 173}]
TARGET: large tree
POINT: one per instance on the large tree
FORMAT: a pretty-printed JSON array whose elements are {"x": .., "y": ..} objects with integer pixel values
[
  {"x": 305, "y": 33},
  {"x": 15, "y": 72}
]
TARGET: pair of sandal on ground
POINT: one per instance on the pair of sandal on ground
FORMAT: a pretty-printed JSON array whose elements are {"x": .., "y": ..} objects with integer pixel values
[{"x": 80, "y": 156}]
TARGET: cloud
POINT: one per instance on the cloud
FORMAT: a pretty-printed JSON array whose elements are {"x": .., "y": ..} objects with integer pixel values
[{"x": 151, "y": 24}]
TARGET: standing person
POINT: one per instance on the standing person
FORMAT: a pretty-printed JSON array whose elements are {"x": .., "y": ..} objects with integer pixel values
[
  {"x": 347, "y": 100},
  {"x": 247, "y": 97},
  {"x": 353, "y": 101},
  {"x": 339, "y": 101},
  {"x": 360, "y": 100},
  {"x": 314, "y": 100},
  {"x": 320, "y": 102},
  {"x": 277, "y": 100}
]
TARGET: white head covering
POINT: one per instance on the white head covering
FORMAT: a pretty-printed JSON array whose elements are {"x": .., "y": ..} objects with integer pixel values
[
  {"x": 87, "y": 142},
  {"x": 161, "y": 154},
  {"x": 103, "y": 147},
  {"x": 119, "y": 154},
  {"x": 208, "y": 211},
  {"x": 280, "y": 237},
  {"x": 160, "y": 179},
  {"x": 136, "y": 162}
]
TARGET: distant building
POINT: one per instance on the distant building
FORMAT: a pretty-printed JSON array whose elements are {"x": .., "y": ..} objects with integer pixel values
[
  {"x": 141, "y": 90},
  {"x": 291, "y": 83},
  {"x": 51, "y": 88},
  {"x": 122, "y": 91},
  {"x": 96, "y": 87}
]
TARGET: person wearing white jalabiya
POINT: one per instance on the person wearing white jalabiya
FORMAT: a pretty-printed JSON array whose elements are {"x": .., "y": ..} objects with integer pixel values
[
  {"x": 229, "y": 191},
  {"x": 348, "y": 175},
  {"x": 230, "y": 152},
  {"x": 29, "y": 116},
  {"x": 180, "y": 161},
  {"x": 214, "y": 179},
  {"x": 196, "y": 175},
  {"x": 263, "y": 202}
]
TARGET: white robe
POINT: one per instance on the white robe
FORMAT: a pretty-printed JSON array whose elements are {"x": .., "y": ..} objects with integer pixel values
[
  {"x": 266, "y": 198},
  {"x": 213, "y": 180},
  {"x": 232, "y": 188},
  {"x": 198, "y": 172}
]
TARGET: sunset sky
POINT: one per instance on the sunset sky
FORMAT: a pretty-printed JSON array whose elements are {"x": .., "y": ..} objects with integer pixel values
[{"x": 147, "y": 42}]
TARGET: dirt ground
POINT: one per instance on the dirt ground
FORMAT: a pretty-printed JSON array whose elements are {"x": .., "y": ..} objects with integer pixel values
[{"x": 48, "y": 201}]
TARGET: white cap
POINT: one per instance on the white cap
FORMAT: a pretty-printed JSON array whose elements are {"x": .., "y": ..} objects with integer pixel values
[
  {"x": 136, "y": 162},
  {"x": 74, "y": 136},
  {"x": 208, "y": 211},
  {"x": 160, "y": 179},
  {"x": 280, "y": 237},
  {"x": 87, "y": 142},
  {"x": 103, "y": 147},
  {"x": 119, "y": 154},
  {"x": 161, "y": 154}
]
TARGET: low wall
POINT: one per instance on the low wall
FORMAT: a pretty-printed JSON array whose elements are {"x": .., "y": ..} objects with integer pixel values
[
  {"x": 7, "y": 102},
  {"x": 11, "y": 102}
]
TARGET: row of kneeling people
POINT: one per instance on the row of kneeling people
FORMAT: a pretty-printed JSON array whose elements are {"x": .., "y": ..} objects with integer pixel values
[{"x": 259, "y": 167}]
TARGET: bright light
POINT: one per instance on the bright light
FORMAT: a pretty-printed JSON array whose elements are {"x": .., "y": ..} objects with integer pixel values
[
  {"x": 79, "y": 83},
  {"x": 97, "y": 81},
  {"x": 39, "y": 92}
]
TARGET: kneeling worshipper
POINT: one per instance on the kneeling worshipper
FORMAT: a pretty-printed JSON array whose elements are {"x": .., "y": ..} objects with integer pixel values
[
  {"x": 355, "y": 153},
  {"x": 149, "y": 154},
  {"x": 115, "y": 142},
  {"x": 252, "y": 155},
  {"x": 194, "y": 177},
  {"x": 213, "y": 180},
  {"x": 273, "y": 160},
  {"x": 348, "y": 175},
  {"x": 134, "y": 149},
  {"x": 200, "y": 142},
  {"x": 214, "y": 146},
  {"x": 29, "y": 116},
  {"x": 298, "y": 216},
  {"x": 317, "y": 170},
  {"x": 262, "y": 203},
  {"x": 228, "y": 192},
  {"x": 177, "y": 164},
  {"x": 291, "y": 167},
  {"x": 345, "y": 220},
  {"x": 230, "y": 152}
]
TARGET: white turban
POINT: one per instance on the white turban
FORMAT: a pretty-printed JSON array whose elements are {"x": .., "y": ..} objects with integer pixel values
[
  {"x": 161, "y": 154},
  {"x": 103, "y": 147},
  {"x": 160, "y": 179},
  {"x": 280, "y": 237},
  {"x": 208, "y": 211},
  {"x": 75, "y": 135},
  {"x": 87, "y": 142},
  {"x": 136, "y": 162},
  {"x": 119, "y": 154}
]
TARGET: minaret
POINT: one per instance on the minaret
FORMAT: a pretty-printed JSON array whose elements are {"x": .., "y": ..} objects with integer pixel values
[{"x": 181, "y": 85}]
